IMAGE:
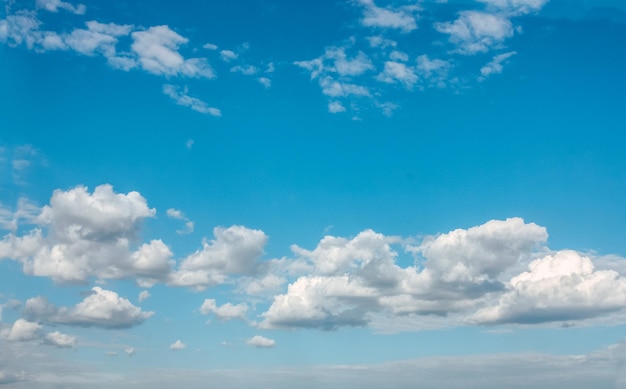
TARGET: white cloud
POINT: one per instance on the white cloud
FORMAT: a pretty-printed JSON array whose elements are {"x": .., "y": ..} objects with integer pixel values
[
  {"x": 224, "y": 312},
  {"x": 98, "y": 37},
  {"x": 103, "y": 308},
  {"x": 55, "y": 5},
  {"x": 178, "y": 345},
  {"x": 176, "y": 214},
  {"x": 335, "y": 107},
  {"x": 235, "y": 250},
  {"x": 355, "y": 280},
  {"x": 22, "y": 28},
  {"x": 130, "y": 351},
  {"x": 247, "y": 70},
  {"x": 482, "y": 252},
  {"x": 22, "y": 331},
  {"x": 335, "y": 60},
  {"x": 559, "y": 287},
  {"x": 60, "y": 340},
  {"x": 398, "y": 72},
  {"x": 515, "y": 7},
  {"x": 333, "y": 88},
  {"x": 477, "y": 32},
  {"x": 25, "y": 212},
  {"x": 261, "y": 342},
  {"x": 402, "y": 18},
  {"x": 378, "y": 41},
  {"x": 495, "y": 66},
  {"x": 266, "y": 82},
  {"x": 228, "y": 55},
  {"x": 210, "y": 46},
  {"x": 90, "y": 235},
  {"x": 157, "y": 52},
  {"x": 143, "y": 295},
  {"x": 398, "y": 56},
  {"x": 180, "y": 96}
]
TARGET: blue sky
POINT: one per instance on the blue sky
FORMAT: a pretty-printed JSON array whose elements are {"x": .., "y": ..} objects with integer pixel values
[{"x": 349, "y": 194}]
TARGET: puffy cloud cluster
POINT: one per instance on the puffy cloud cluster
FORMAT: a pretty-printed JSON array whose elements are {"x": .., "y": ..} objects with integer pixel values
[
  {"x": 480, "y": 31},
  {"x": 90, "y": 235},
  {"x": 499, "y": 272},
  {"x": 103, "y": 308},
  {"x": 559, "y": 287},
  {"x": 25, "y": 331},
  {"x": 334, "y": 71},
  {"x": 234, "y": 251},
  {"x": 467, "y": 276},
  {"x": 341, "y": 76},
  {"x": 347, "y": 80}
]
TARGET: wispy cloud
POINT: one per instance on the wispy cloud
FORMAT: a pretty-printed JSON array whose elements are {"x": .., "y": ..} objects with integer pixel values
[{"x": 180, "y": 96}]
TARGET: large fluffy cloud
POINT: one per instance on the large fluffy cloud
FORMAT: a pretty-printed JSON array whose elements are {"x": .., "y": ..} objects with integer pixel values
[
  {"x": 355, "y": 278},
  {"x": 558, "y": 287},
  {"x": 90, "y": 235},
  {"x": 102, "y": 308},
  {"x": 234, "y": 251}
]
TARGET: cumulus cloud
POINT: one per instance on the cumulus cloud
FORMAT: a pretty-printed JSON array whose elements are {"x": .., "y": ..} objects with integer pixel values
[
  {"x": 178, "y": 345},
  {"x": 90, "y": 235},
  {"x": 22, "y": 331},
  {"x": 180, "y": 96},
  {"x": 261, "y": 342},
  {"x": 103, "y": 308},
  {"x": 558, "y": 287},
  {"x": 477, "y": 32},
  {"x": 157, "y": 51},
  {"x": 354, "y": 279},
  {"x": 224, "y": 312},
  {"x": 235, "y": 250},
  {"x": 60, "y": 340},
  {"x": 401, "y": 18}
]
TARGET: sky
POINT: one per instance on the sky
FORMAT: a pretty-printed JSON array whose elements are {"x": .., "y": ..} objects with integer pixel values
[{"x": 330, "y": 194}]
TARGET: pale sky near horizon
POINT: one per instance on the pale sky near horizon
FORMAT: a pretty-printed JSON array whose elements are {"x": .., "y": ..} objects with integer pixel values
[{"x": 354, "y": 194}]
